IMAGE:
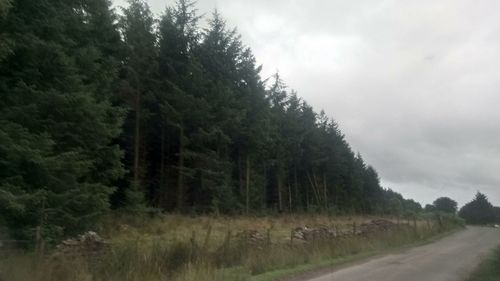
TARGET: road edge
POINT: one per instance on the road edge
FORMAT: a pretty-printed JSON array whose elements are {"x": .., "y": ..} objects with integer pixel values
[{"x": 309, "y": 271}]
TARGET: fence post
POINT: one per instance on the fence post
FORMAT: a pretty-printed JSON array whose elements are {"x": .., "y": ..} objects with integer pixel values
[
  {"x": 268, "y": 238},
  {"x": 228, "y": 241},
  {"x": 207, "y": 238},
  {"x": 193, "y": 244},
  {"x": 415, "y": 222},
  {"x": 291, "y": 238},
  {"x": 440, "y": 221},
  {"x": 39, "y": 244}
]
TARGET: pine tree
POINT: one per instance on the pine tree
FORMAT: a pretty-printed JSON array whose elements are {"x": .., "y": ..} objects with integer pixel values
[
  {"x": 478, "y": 211},
  {"x": 201, "y": 131},
  {"x": 138, "y": 86},
  {"x": 56, "y": 130},
  {"x": 181, "y": 105},
  {"x": 277, "y": 150}
]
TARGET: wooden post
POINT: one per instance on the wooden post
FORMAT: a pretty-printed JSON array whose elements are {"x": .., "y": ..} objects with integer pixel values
[
  {"x": 207, "y": 238},
  {"x": 440, "y": 221},
  {"x": 269, "y": 238},
  {"x": 192, "y": 240},
  {"x": 228, "y": 240},
  {"x": 37, "y": 241}
]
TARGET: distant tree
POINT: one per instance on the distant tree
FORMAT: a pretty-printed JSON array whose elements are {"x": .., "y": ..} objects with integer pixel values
[
  {"x": 395, "y": 206},
  {"x": 429, "y": 208},
  {"x": 446, "y": 205},
  {"x": 478, "y": 211},
  {"x": 412, "y": 206},
  {"x": 496, "y": 210}
]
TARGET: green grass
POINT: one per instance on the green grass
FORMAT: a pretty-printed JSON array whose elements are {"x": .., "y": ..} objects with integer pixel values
[
  {"x": 489, "y": 269},
  {"x": 339, "y": 261},
  {"x": 181, "y": 248}
]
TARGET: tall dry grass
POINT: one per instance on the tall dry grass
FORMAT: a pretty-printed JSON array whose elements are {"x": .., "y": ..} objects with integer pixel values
[{"x": 181, "y": 248}]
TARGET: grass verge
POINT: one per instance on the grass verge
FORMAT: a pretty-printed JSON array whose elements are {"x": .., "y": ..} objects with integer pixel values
[
  {"x": 489, "y": 269},
  {"x": 338, "y": 262},
  {"x": 180, "y": 248}
]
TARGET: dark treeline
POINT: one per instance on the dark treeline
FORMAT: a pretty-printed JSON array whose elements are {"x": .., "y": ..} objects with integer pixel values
[{"x": 101, "y": 110}]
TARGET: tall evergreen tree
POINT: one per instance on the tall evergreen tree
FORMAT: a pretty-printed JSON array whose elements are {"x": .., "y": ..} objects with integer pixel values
[
  {"x": 138, "y": 85},
  {"x": 56, "y": 157},
  {"x": 478, "y": 211},
  {"x": 183, "y": 110},
  {"x": 201, "y": 131}
]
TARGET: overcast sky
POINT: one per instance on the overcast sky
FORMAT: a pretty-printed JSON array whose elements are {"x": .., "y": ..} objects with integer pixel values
[{"x": 414, "y": 85}]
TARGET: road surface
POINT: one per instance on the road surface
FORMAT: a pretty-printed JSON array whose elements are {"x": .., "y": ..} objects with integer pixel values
[{"x": 450, "y": 259}]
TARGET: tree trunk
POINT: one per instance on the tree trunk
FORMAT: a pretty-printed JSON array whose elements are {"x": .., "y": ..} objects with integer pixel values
[
  {"x": 325, "y": 191},
  {"x": 280, "y": 200},
  {"x": 162, "y": 168},
  {"x": 241, "y": 175},
  {"x": 296, "y": 185},
  {"x": 136, "y": 139},
  {"x": 180, "y": 175},
  {"x": 318, "y": 190},
  {"x": 247, "y": 184},
  {"x": 314, "y": 189},
  {"x": 307, "y": 199}
]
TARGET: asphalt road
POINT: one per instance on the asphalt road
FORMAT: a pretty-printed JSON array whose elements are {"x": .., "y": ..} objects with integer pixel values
[{"x": 452, "y": 258}]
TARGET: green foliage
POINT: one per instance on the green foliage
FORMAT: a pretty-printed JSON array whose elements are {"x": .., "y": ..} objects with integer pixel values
[
  {"x": 445, "y": 205},
  {"x": 57, "y": 160},
  {"x": 5, "y": 42},
  {"x": 429, "y": 208},
  {"x": 478, "y": 211},
  {"x": 158, "y": 114}
]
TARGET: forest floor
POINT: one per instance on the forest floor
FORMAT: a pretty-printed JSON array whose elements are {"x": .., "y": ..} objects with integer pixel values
[{"x": 189, "y": 248}]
